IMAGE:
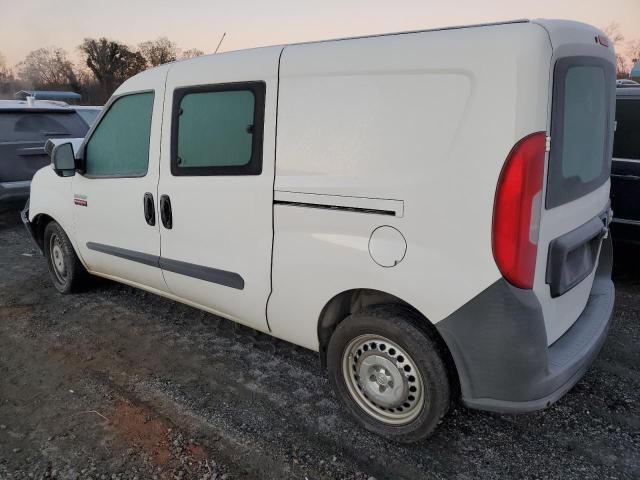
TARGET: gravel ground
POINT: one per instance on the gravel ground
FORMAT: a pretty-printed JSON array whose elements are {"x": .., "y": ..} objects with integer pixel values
[{"x": 116, "y": 383}]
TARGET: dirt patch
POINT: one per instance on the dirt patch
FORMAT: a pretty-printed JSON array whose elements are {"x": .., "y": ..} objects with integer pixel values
[
  {"x": 14, "y": 311},
  {"x": 157, "y": 439},
  {"x": 142, "y": 429}
]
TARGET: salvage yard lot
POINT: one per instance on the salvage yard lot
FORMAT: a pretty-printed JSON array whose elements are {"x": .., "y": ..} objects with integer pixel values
[{"x": 118, "y": 381}]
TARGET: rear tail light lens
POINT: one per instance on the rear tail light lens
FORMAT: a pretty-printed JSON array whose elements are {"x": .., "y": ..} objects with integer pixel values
[{"x": 516, "y": 211}]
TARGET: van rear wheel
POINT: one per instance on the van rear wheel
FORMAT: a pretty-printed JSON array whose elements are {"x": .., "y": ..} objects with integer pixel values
[
  {"x": 65, "y": 269},
  {"x": 388, "y": 373}
]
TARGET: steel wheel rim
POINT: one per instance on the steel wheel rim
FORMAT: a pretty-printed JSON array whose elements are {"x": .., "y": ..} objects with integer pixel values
[
  {"x": 383, "y": 379},
  {"x": 57, "y": 258}
]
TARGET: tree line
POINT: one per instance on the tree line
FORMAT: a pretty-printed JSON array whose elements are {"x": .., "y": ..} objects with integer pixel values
[
  {"x": 104, "y": 65},
  {"x": 627, "y": 51}
]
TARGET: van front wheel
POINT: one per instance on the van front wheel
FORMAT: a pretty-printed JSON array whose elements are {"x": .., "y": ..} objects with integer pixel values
[
  {"x": 388, "y": 373},
  {"x": 64, "y": 266}
]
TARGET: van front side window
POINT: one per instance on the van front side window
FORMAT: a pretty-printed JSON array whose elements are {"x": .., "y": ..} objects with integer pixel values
[
  {"x": 217, "y": 130},
  {"x": 119, "y": 147}
]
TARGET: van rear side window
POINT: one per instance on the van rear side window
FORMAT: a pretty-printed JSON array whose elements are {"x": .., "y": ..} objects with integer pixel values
[
  {"x": 217, "y": 130},
  {"x": 581, "y": 124}
]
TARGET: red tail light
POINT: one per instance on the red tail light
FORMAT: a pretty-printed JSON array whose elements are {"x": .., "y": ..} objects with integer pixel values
[{"x": 516, "y": 217}]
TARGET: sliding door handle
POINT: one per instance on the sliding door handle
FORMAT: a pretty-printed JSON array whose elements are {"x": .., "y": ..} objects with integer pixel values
[
  {"x": 165, "y": 212},
  {"x": 149, "y": 209}
]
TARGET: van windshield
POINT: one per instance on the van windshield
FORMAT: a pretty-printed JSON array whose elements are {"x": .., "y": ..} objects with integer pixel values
[{"x": 581, "y": 125}]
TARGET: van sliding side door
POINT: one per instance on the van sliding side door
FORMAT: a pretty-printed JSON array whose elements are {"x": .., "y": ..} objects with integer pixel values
[{"x": 216, "y": 183}]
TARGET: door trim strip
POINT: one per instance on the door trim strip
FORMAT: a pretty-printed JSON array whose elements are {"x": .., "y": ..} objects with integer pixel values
[
  {"x": 139, "y": 257},
  {"x": 208, "y": 274},
  {"x": 380, "y": 206}
]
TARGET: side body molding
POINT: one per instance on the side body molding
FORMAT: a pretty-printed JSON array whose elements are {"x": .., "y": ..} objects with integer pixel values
[{"x": 208, "y": 274}]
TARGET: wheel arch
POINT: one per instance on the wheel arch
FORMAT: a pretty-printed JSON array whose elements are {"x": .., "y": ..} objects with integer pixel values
[
  {"x": 39, "y": 224},
  {"x": 351, "y": 301}
]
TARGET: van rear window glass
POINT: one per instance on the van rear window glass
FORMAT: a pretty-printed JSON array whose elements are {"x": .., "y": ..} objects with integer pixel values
[
  {"x": 580, "y": 157},
  {"x": 217, "y": 130},
  {"x": 585, "y": 112},
  {"x": 40, "y": 126},
  {"x": 627, "y": 138}
]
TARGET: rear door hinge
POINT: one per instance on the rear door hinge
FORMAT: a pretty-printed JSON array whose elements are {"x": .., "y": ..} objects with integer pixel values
[{"x": 547, "y": 144}]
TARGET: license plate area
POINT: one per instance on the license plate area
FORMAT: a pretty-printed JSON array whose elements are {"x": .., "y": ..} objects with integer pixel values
[{"x": 573, "y": 256}]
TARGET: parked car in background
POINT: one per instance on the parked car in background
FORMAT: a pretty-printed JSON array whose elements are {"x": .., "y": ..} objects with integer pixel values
[
  {"x": 51, "y": 95},
  {"x": 25, "y": 126},
  {"x": 624, "y": 83},
  {"x": 625, "y": 169},
  {"x": 427, "y": 234},
  {"x": 88, "y": 113}
]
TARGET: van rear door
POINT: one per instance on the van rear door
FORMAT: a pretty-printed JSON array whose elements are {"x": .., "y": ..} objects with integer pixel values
[{"x": 574, "y": 215}]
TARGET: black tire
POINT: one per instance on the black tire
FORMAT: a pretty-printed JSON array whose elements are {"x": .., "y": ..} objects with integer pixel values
[
  {"x": 66, "y": 270},
  {"x": 396, "y": 324}
]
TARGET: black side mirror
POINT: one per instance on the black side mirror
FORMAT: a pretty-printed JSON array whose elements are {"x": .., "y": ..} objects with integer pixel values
[{"x": 64, "y": 161}]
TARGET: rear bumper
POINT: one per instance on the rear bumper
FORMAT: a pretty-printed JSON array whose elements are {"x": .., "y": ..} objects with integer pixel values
[
  {"x": 11, "y": 192},
  {"x": 499, "y": 345}
]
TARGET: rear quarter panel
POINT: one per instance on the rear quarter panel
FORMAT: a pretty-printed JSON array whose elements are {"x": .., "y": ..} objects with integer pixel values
[{"x": 425, "y": 118}]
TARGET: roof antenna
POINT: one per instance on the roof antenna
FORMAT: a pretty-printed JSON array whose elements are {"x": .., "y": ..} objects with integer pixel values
[{"x": 220, "y": 42}]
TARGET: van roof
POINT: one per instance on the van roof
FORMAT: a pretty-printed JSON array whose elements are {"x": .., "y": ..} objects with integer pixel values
[
  {"x": 374, "y": 35},
  {"x": 405, "y": 32}
]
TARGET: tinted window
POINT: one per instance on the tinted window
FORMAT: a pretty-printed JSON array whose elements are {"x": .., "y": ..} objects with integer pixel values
[
  {"x": 39, "y": 126},
  {"x": 585, "y": 123},
  {"x": 217, "y": 130},
  {"x": 119, "y": 145},
  {"x": 627, "y": 137},
  {"x": 581, "y": 124},
  {"x": 89, "y": 115}
]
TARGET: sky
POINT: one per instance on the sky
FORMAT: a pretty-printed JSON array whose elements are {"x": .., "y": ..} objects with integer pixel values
[{"x": 26, "y": 25}]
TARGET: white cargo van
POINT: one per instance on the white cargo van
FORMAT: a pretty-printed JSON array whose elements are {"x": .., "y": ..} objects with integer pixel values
[{"x": 425, "y": 209}]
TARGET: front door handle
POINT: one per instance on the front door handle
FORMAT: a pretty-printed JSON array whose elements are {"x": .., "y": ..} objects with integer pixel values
[
  {"x": 165, "y": 212},
  {"x": 149, "y": 209}
]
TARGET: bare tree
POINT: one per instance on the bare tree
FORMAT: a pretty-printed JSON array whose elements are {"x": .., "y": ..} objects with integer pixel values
[
  {"x": 5, "y": 71},
  {"x": 615, "y": 36},
  {"x": 633, "y": 50},
  {"x": 8, "y": 83},
  {"x": 613, "y": 32},
  {"x": 48, "y": 68},
  {"x": 159, "y": 51},
  {"x": 191, "y": 53},
  {"x": 111, "y": 62}
]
